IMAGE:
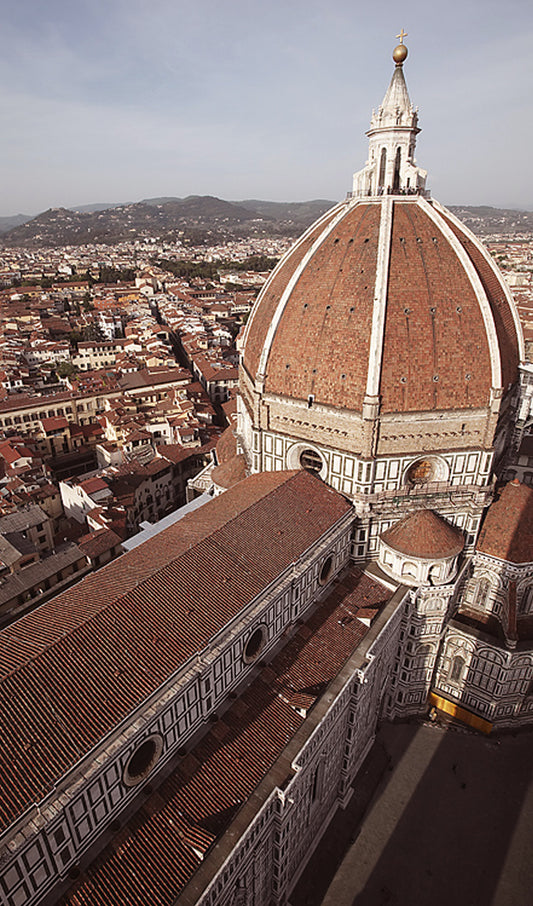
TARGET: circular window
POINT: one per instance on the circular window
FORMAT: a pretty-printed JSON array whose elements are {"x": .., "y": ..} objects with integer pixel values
[
  {"x": 255, "y": 644},
  {"x": 143, "y": 759},
  {"x": 422, "y": 471},
  {"x": 426, "y": 469},
  {"x": 311, "y": 461},
  {"x": 326, "y": 570}
]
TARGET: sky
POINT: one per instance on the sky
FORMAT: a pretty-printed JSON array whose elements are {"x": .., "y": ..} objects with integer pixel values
[{"x": 120, "y": 100}]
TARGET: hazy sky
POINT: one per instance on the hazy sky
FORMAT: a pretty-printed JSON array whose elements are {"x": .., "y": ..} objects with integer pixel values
[{"x": 119, "y": 100}]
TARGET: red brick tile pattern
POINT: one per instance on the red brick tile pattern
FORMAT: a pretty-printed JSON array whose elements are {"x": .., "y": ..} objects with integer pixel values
[
  {"x": 73, "y": 669},
  {"x": 430, "y": 346},
  {"x": 507, "y": 532},
  {"x": 197, "y": 803},
  {"x": 426, "y": 535},
  {"x": 501, "y": 312},
  {"x": 265, "y": 307}
]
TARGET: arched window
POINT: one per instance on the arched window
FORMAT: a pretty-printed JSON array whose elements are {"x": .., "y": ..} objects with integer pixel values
[
  {"x": 434, "y": 572},
  {"x": 458, "y": 665},
  {"x": 409, "y": 569},
  {"x": 482, "y": 593},
  {"x": 527, "y": 600},
  {"x": 382, "y": 168},
  {"x": 397, "y": 163}
]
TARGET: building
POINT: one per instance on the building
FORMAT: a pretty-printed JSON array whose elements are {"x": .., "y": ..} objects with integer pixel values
[{"x": 221, "y": 683}]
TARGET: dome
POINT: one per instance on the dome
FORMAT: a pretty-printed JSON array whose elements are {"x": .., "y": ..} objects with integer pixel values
[
  {"x": 390, "y": 297},
  {"x": 386, "y": 330},
  {"x": 383, "y": 352}
]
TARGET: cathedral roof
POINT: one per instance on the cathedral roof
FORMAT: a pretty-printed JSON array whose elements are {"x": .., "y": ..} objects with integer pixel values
[
  {"x": 507, "y": 532},
  {"x": 226, "y": 776},
  {"x": 226, "y": 446},
  {"x": 388, "y": 296},
  {"x": 425, "y": 535},
  {"x": 388, "y": 299},
  {"x": 132, "y": 624}
]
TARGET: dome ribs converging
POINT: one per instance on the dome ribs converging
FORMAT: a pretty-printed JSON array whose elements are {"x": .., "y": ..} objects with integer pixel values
[
  {"x": 435, "y": 353},
  {"x": 322, "y": 341}
]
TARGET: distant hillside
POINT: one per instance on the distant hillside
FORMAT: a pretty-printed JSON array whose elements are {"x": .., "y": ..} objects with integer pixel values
[
  {"x": 485, "y": 220},
  {"x": 302, "y": 212},
  {"x": 196, "y": 218},
  {"x": 91, "y": 208},
  {"x": 206, "y": 219},
  {"x": 8, "y": 223}
]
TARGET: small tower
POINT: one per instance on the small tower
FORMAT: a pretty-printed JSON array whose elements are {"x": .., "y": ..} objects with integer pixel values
[{"x": 390, "y": 168}]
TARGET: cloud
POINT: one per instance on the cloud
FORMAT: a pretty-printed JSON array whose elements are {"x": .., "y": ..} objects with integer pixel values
[{"x": 248, "y": 98}]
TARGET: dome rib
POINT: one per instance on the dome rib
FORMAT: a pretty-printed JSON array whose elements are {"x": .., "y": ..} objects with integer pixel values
[{"x": 341, "y": 212}]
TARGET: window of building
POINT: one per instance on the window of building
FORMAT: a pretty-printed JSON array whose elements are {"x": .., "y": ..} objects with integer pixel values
[
  {"x": 420, "y": 472},
  {"x": 142, "y": 760},
  {"x": 255, "y": 644},
  {"x": 409, "y": 569},
  {"x": 382, "y": 166},
  {"x": 326, "y": 570},
  {"x": 482, "y": 592},
  {"x": 311, "y": 461},
  {"x": 457, "y": 668}
]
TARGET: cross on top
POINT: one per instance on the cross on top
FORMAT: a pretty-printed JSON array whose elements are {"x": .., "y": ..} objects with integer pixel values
[{"x": 403, "y": 34}]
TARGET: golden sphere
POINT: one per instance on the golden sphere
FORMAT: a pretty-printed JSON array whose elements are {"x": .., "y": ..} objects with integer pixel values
[{"x": 399, "y": 54}]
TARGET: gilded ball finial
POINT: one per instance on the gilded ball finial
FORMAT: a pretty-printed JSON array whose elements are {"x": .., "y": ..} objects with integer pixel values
[{"x": 399, "y": 54}]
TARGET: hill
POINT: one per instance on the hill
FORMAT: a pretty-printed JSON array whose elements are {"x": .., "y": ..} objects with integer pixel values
[
  {"x": 206, "y": 219},
  {"x": 8, "y": 223},
  {"x": 195, "y": 218}
]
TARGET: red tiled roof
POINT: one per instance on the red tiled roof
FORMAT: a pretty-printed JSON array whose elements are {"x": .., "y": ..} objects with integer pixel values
[
  {"x": 176, "y": 453},
  {"x": 266, "y": 305},
  {"x": 443, "y": 334},
  {"x": 54, "y": 424},
  {"x": 91, "y": 485},
  {"x": 98, "y": 542},
  {"x": 507, "y": 532},
  {"x": 230, "y": 472},
  {"x": 226, "y": 446},
  {"x": 426, "y": 535},
  {"x": 501, "y": 312},
  {"x": 117, "y": 627},
  {"x": 196, "y": 804}
]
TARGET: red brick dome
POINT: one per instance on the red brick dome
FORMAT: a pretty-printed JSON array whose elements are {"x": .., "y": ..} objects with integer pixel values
[{"x": 390, "y": 298}]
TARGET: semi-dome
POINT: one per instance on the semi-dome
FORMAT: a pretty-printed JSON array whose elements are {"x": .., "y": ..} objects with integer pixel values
[
  {"x": 421, "y": 549},
  {"x": 385, "y": 332}
]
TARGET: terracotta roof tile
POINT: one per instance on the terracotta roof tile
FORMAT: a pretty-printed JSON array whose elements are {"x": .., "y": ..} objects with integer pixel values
[
  {"x": 426, "y": 535},
  {"x": 230, "y": 472},
  {"x": 117, "y": 628},
  {"x": 196, "y": 804},
  {"x": 507, "y": 532},
  {"x": 435, "y": 345}
]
